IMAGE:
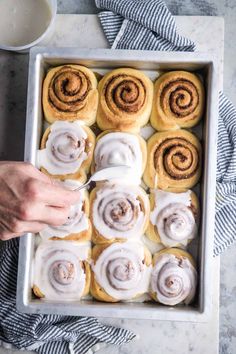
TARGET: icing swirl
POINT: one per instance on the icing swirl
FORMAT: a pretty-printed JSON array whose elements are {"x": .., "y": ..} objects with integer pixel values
[
  {"x": 65, "y": 148},
  {"x": 120, "y": 211},
  {"x": 59, "y": 270},
  {"x": 117, "y": 148},
  {"x": 173, "y": 217},
  {"x": 173, "y": 280},
  {"x": 121, "y": 270}
]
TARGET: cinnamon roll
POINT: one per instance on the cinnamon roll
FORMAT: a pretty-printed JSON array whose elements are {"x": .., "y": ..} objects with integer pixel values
[
  {"x": 118, "y": 212},
  {"x": 174, "y": 217},
  {"x": 70, "y": 93},
  {"x": 61, "y": 270},
  {"x": 178, "y": 101},
  {"x": 120, "y": 271},
  {"x": 120, "y": 148},
  {"x": 174, "y": 277},
  {"x": 174, "y": 160},
  {"x": 125, "y": 100},
  {"x": 66, "y": 151},
  {"x": 78, "y": 226}
]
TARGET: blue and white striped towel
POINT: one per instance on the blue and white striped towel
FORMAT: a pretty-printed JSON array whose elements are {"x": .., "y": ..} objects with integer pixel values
[
  {"x": 130, "y": 24},
  {"x": 148, "y": 24}
]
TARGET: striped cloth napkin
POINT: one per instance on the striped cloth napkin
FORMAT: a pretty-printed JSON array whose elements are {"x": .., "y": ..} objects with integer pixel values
[{"x": 130, "y": 24}]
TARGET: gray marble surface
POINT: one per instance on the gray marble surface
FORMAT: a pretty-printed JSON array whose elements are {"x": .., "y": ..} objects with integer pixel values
[{"x": 15, "y": 112}]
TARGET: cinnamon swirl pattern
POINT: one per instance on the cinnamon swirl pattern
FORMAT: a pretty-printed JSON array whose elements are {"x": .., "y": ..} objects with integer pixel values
[
  {"x": 174, "y": 160},
  {"x": 70, "y": 93},
  {"x": 78, "y": 226},
  {"x": 174, "y": 277},
  {"x": 120, "y": 271},
  {"x": 118, "y": 212},
  {"x": 174, "y": 217},
  {"x": 117, "y": 148},
  {"x": 66, "y": 151},
  {"x": 61, "y": 271},
  {"x": 125, "y": 100},
  {"x": 178, "y": 101}
]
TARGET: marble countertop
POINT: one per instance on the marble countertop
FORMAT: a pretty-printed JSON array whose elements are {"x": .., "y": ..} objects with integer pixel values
[{"x": 87, "y": 33}]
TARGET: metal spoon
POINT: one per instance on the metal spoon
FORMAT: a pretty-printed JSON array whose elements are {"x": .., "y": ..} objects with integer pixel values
[{"x": 107, "y": 174}]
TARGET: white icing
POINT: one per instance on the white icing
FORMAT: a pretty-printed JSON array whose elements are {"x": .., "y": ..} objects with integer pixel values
[
  {"x": 57, "y": 269},
  {"x": 173, "y": 280},
  {"x": 116, "y": 211},
  {"x": 115, "y": 149},
  {"x": 120, "y": 270},
  {"x": 152, "y": 246},
  {"x": 173, "y": 217},
  {"x": 65, "y": 148},
  {"x": 77, "y": 220}
]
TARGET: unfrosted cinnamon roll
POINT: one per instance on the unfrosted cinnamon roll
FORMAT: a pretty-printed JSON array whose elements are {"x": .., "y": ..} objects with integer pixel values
[
  {"x": 125, "y": 100},
  {"x": 120, "y": 148},
  {"x": 70, "y": 93},
  {"x": 118, "y": 212},
  {"x": 174, "y": 217},
  {"x": 61, "y": 270},
  {"x": 120, "y": 271},
  {"x": 174, "y": 160},
  {"x": 66, "y": 151},
  {"x": 178, "y": 101},
  {"x": 174, "y": 277},
  {"x": 78, "y": 226}
]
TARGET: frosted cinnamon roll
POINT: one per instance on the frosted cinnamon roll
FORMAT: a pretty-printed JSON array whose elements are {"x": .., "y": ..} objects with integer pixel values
[
  {"x": 78, "y": 226},
  {"x": 174, "y": 160},
  {"x": 174, "y": 277},
  {"x": 66, "y": 151},
  {"x": 118, "y": 212},
  {"x": 61, "y": 270},
  {"x": 125, "y": 100},
  {"x": 117, "y": 148},
  {"x": 178, "y": 101},
  {"x": 70, "y": 93},
  {"x": 174, "y": 217},
  {"x": 120, "y": 271}
]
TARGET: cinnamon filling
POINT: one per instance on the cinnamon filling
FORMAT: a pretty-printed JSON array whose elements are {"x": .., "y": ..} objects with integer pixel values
[
  {"x": 181, "y": 97},
  {"x": 68, "y": 89},
  {"x": 178, "y": 157},
  {"x": 125, "y": 93}
]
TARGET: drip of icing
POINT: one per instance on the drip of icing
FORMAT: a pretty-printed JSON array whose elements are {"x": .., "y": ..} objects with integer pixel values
[
  {"x": 77, "y": 220},
  {"x": 117, "y": 212},
  {"x": 65, "y": 148},
  {"x": 121, "y": 272},
  {"x": 115, "y": 149},
  {"x": 173, "y": 280},
  {"x": 58, "y": 270},
  {"x": 173, "y": 217}
]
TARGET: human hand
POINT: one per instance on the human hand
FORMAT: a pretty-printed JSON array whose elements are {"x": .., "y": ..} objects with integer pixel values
[{"x": 29, "y": 201}]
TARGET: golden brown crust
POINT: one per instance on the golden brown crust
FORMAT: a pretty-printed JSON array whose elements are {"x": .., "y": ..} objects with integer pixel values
[
  {"x": 125, "y": 100},
  {"x": 178, "y": 101},
  {"x": 80, "y": 175},
  {"x": 152, "y": 232},
  {"x": 70, "y": 93},
  {"x": 174, "y": 160}
]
